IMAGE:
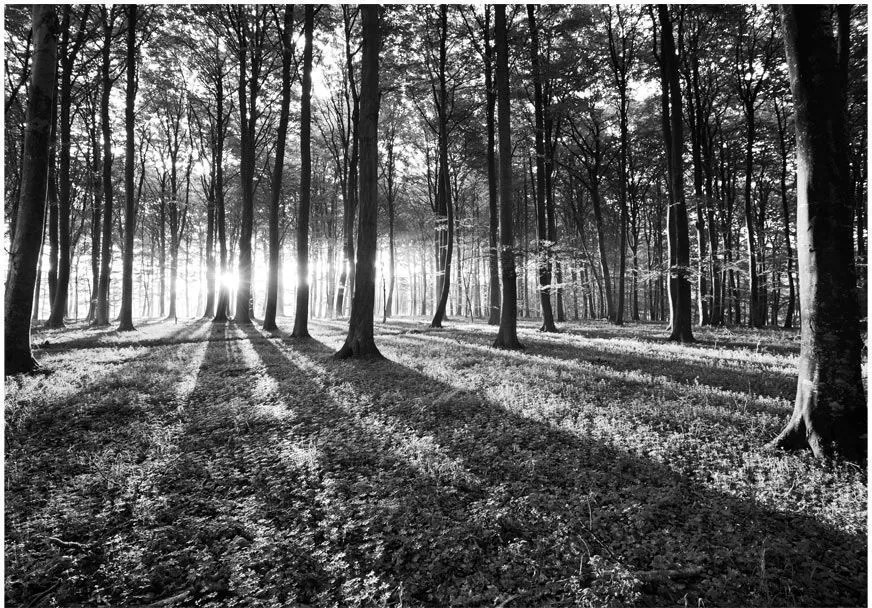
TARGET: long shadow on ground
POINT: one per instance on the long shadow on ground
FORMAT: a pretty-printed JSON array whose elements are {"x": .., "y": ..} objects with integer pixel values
[
  {"x": 289, "y": 479},
  {"x": 521, "y": 502},
  {"x": 762, "y": 381},
  {"x": 67, "y": 464}
]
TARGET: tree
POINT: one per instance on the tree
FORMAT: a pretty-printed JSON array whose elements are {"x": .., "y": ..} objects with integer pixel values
[
  {"x": 360, "y": 342},
  {"x": 125, "y": 321},
  {"x": 107, "y": 19},
  {"x": 829, "y": 414},
  {"x": 301, "y": 316},
  {"x": 622, "y": 41},
  {"x": 507, "y": 336},
  {"x": 485, "y": 49},
  {"x": 753, "y": 60},
  {"x": 269, "y": 317},
  {"x": 544, "y": 221},
  {"x": 24, "y": 253},
  {"x": 680, "y": 307},
  {"x": 444, "y": 206},
  {"x": 67, "y": 55}
]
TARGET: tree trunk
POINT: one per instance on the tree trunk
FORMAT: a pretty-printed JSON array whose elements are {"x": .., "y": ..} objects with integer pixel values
[
  {"x": 102, "y": 319},
  {"x": 444, "y": 205},
  {"x": 360, "y": 342},
  {"x": 785, "y": 211},
  {"x": 60, "y": 215},
  {"x": 247, "y": 90},
  {"x": 301, "y": 315},
  {"x": 269, "y": 316},
  {"x": 507, "y": 337},
  {"x": 829, "y": 414},
  {"x": 544, "y": 244},
  {"x": 680, "y": 307},
  {"x": 493, "y": 211},
  {"x": 125, "y": 322},
  {"x": 24, "y": 251},
  {"x": 221, "y": 307}
]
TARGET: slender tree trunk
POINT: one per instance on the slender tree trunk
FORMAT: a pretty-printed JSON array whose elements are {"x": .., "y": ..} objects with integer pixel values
[
  {"x": 106, "y": 126},
  {"x": 785, "y": 210},
  {"x": 24, "y": 251},
  {"x": 493, "y": 211},
  {"x": 444, "y": 204},
  {"x": 60, "y": 216},
  {"x": 360, "y": 342},
  {"x": 507, "y": 337},
  {"x": 829, "y": 414},
  {"x": 52, "y": 197},
  {"x": 269, "y": 317},
  {"x": 301, "y": 317},
  {"x": 125, "y": 322},
  {"x": 544, "y": 243},
  {"x": 221, "y": 307}
]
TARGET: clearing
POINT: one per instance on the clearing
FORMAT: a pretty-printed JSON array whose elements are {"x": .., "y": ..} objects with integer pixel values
[{"x": 213, "y": 465}]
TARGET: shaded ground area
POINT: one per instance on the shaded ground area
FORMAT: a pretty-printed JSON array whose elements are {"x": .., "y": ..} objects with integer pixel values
[{"x": 207, "y": 465}]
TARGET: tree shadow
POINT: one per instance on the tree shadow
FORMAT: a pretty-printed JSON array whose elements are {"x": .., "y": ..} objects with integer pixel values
[
  {"x": 526, "y": 498},
  {"x": 768, "y": 380},
  {"x": 286, "y": 478},
  {"x": 110, "y": 339},
  {"x": 70, "y": 460}
]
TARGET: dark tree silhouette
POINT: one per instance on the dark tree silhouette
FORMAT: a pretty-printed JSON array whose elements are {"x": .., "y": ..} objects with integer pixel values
[
  {"x": 67, "y": 56},
  {"x": 360, "y": 341},
  {"x": 24, "y": 253},
  {"x": 107, "y": 19},
  {"x": 125, "y": 317},
  {"x": 269, "y": 317},
  {"x": 680, "y": 307},
  {"x": 507, "y": 337},
  {"x": 829, "y": 414},
  {"x": 301, "y": 318}
]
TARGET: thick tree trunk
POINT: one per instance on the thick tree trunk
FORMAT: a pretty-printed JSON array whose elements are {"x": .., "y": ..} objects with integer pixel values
[
  {"x": 301, "y": 315},
  {"x": 125, "y": 321},
  {"x": 269, "y": 316},
  {"x": 360, "y": 342},
  {"x": 829, "y": 414},
  {"x": 507, "y": 337},
  {"x": 24, "y": 251},
  {"x": 680, "y": 306}
]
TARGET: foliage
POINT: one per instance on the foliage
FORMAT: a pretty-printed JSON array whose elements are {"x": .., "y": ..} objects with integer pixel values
[{"x": 207, "y": 465}]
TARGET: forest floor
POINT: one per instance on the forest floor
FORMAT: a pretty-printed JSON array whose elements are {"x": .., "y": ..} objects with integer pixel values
[{"x": 200, "y": 464}]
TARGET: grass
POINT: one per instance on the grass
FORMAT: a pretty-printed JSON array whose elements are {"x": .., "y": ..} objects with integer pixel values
[{"x": 206, "y": 465}]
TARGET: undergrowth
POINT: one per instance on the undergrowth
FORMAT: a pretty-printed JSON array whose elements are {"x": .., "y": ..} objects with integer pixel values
[{"x": 205, "y": 465}]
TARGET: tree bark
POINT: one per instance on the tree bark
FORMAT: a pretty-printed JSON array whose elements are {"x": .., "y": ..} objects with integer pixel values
[
  {"x": 301, "y": 315},
  {"x": 360, "y": 342},
  {"x": 24, "y": 251},
  {"x": 102, "y": 318},
  {"x": 444, "y": 204},
  {"x": 544, "y": 244},
  {"x": 507, "y": 336},
  {"x": 269, "y": 317},
  {"x": 680, "y": 306},
  {"x": 829, "y": 415},
  {"x": 125, "y": 321}
]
